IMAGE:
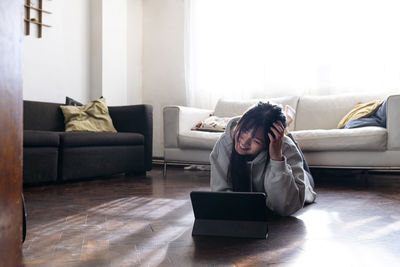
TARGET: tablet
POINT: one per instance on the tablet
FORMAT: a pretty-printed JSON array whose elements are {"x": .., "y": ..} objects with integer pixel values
[{"x": 233, "y": 214}]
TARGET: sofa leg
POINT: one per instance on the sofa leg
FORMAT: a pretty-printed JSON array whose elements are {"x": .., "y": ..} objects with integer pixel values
[{"x": 165, "y": 169}]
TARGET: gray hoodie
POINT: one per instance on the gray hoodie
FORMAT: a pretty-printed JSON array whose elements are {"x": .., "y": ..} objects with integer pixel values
[{"x": 285, "y": 183}]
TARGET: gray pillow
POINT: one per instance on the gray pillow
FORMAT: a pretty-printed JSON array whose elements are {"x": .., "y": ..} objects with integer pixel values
[{"x": 72, "y": 102}]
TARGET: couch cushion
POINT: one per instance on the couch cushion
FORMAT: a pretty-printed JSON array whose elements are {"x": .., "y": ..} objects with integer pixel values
[
  {"x": 365, "y": 138},
  {"x": 41, "y": 138},
  {"x": 75, "y": 139},
  {"x": 232, "y": 108},
  {"x": 325, "y": 112},
  {"x": 196, "y": 139},
  {"x": 43, "y": 116}
]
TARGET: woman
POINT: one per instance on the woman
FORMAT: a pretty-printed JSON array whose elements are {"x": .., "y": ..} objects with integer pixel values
[{"x": 255, "y": 155}]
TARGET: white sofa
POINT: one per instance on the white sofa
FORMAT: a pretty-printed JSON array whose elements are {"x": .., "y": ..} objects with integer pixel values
[{"x": 323, "y": 145}]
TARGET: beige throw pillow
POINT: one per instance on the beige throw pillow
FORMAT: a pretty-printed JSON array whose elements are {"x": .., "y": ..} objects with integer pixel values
[{"x": 92, "y": 117}]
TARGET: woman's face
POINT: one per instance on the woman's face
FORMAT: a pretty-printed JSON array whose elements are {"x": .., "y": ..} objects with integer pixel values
[{"x": 247, "y": 144}]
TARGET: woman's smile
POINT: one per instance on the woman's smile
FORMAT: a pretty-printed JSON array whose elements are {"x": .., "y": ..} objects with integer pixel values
[{"x": 244, "y": 147}]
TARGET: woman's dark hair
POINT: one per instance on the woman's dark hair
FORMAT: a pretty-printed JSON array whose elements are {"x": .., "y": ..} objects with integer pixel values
[{"x": 262, "y": 115}]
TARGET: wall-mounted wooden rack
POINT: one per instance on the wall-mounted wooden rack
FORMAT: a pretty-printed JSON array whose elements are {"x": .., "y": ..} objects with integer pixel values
[
  {"x": 37, "y": 21},
  {"x": 38, "y": 9}
]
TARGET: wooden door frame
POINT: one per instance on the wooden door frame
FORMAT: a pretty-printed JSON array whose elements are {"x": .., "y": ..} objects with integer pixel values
[{"x": 11, "y": 34}]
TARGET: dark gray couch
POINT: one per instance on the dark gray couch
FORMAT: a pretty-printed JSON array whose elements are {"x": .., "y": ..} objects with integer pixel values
[{"x": 52, "y": 155}]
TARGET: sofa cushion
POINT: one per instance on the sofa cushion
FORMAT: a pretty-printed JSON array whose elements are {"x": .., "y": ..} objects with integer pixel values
[
  {"x": 232, "y": 108},
  {"x": 41, "y": 138},
  {"x": 76, "y": 139},
  {"x": 325, "y": 112},
  {"x": 43, "y": 116},
  {"x": 365, "y": 138},
  {"x": 197, "y": 139}
]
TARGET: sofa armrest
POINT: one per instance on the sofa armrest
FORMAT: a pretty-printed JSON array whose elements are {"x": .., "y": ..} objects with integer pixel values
[
  {"x": 180, "y": 119},
  {"x": 393, "y": 122},
  {"x": 136, "y": 119}
]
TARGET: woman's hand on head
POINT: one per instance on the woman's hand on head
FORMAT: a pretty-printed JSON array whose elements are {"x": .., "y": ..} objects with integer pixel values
[{"x": 276, "y": 141}]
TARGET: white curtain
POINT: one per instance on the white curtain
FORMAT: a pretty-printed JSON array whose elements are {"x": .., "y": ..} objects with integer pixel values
[{"x": 266, "y": 48}]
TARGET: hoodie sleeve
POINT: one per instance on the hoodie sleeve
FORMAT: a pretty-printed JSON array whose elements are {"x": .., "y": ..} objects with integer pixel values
[
  {"x": 285, "y": 182},
  {"x": 219, "y": 159}
]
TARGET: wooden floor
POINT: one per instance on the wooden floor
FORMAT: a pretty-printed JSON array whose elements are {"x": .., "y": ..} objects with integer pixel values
[{"x": 147, "y": 221}]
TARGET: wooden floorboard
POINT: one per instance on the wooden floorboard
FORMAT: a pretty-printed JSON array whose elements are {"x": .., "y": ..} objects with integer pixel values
[{"x": 147, "y": 221}]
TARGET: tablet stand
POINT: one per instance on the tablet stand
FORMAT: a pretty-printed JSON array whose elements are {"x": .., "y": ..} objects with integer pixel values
[{"x": 230, "y": 228}]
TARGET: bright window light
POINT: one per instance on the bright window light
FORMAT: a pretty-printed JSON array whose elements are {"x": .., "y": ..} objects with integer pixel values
[{"x": 263, "y": 48}]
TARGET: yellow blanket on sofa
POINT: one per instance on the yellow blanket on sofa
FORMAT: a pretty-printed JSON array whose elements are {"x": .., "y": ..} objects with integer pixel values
[{"x": 361, "y": 110}]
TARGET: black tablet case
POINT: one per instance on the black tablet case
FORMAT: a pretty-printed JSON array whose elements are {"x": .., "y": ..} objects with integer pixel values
[{"x": 230, "y": 214}]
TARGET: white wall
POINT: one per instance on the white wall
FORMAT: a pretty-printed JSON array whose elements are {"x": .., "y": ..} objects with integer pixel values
[
  {"x": 114, "y": 42},
  {"x": 116, "y": 51},
  {"x": 58, "y": 64},
  {"x": 93, "y": 48},
  {"x": 134, "y": 51},
  {"x": 163, "y": 62}
]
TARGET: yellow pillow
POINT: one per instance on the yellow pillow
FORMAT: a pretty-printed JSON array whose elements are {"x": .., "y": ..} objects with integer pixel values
[
  {"x": 361, "y": 110},
  {"x": 92, "y": 117}
]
